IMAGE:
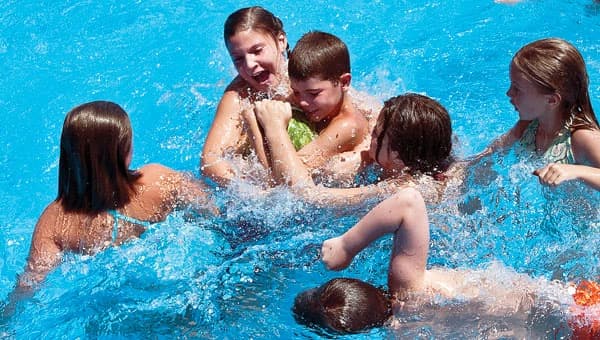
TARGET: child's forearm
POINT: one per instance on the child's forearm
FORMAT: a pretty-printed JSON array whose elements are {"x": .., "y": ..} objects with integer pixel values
[
  {"x": 287, "y": 166},
  {"x": 385, "y": 218},
  {"x": 256, "y": 137},
  {"x": 590, "y": 175}
]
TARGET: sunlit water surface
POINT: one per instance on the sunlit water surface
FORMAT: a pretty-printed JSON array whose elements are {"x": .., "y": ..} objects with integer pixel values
[{"x": 236, "y": 276}]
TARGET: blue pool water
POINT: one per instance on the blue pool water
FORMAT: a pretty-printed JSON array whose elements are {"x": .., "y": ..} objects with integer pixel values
[{"x": 236, "y": 276}]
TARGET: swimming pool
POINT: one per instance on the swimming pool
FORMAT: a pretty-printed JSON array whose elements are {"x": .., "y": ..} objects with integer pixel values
[{"x": 236, "y": 276}]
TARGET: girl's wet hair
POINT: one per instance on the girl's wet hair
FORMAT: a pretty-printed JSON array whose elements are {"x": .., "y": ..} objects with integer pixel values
[
  {"x": 94, "y": 146},
  {"x": 556, "y": 66},
  {"x": 253, "y": 18},
  {"x": 343, "y": 305},
  {"x": 418, "y": 128}
]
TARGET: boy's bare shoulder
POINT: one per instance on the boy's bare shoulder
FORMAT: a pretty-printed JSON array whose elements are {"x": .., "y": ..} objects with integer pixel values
[{"x": 366, "y": 104}]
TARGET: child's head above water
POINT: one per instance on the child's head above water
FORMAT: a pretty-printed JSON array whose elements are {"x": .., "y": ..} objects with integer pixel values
[
  {"x": 95, "y": 152},
  {"x": 319, "y": 55},
  {"x": 343, "y": 305},
  {"x": 319, "y": 71},
  {"x": 257, "y": 45},
  {"x": 554, "y": 66},
  {"x": 412, "y": 131}
]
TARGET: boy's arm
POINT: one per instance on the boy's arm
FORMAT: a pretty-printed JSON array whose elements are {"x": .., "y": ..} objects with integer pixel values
[
  {"x": 339, "y": 136},
  {"x": 223, "y": 135},
  {"x": 403, "y": 214},
  {"x": 506, "y": 140}
]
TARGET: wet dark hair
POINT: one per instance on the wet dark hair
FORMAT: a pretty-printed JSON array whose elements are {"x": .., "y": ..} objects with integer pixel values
[
  {"x": 94, "y": 146},
  {"x": 319, "y": 54},
  {"x": 253, "y": 18},
  {"x": 343, "y": 305},
  {"x": 556, "y": 66},
  {"x": 419, "y": 130}
]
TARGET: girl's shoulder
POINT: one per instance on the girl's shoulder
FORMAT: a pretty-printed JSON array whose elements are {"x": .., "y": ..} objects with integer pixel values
[
  {"x": 154, "y": 169},
  {"x": 51, "y": 213},
  {"x": 238, "y": 88},
  {"x": 584, "y": 143},
  {"x": 155, "y": 174},
  {"x": 586, "y": 136}
]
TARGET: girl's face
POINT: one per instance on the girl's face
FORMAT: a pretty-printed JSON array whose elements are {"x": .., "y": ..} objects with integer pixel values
[
  {"x": 388, "y": 159},
  {"x": 257, "y": 57},
  {"x": 526, "y": 97},
  {"x": 319, "y": 99}
]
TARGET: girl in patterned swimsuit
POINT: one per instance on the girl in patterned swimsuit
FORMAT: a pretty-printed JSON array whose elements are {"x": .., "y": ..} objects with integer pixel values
[
  {"x": 549, "y": 89},
  {"x": 258, "y": 45},
  {"x": 101, "y": 202}
]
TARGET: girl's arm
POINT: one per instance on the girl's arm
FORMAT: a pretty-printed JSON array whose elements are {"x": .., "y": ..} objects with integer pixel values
[
  {"x": 587, "y": 154},
  {"x": 195, "y": 194},
  {"x": 256, "y": 136},
  {"x": 286, "y": 166},
  {"x": 224, "y": 135},
  {"x": 44, "y": 253},
  {"x": 554, "y": 174},
  {"x": 586, "y": 147}
]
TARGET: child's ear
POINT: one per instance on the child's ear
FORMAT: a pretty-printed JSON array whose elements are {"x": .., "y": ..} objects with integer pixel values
[
  {"x": 282, "y": 42},
  {"x": 345, "y": 80},
  {"x": 554, "y": 99}
]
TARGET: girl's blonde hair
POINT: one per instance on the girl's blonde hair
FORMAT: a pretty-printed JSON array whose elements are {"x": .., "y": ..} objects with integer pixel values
[{"x": 556, "y": 66}]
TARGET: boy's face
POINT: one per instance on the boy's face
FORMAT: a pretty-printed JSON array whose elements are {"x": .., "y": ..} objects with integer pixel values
[
  {"x": 258, "y": 58},
  {"x": 388, "y": 159},
  {"x": 319, "y": 99}
]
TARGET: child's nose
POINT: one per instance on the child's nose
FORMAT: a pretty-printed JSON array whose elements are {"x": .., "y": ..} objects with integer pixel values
[
  {"x": 509, "y": 92},
  {"x": 250, "y": 62},
  {"x": 303, "y": 102}
]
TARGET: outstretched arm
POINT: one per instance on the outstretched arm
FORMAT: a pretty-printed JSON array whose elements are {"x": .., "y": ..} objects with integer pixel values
[
  {"x": 403, "y": 214},
  {"x": 506, "y": 140}
]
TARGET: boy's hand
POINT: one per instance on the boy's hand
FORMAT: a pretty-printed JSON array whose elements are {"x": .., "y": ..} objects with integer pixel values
[
  {"x": 273, "y": 113},
  {"x": 334, "y": 255},
  {"x": 553, "y": 174}
]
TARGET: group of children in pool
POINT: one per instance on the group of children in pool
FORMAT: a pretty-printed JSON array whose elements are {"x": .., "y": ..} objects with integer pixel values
[{"x": 298, "y": 117}]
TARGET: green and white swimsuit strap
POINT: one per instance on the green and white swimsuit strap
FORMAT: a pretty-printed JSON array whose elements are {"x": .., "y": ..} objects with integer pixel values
[{"x": 559, "y": 151}]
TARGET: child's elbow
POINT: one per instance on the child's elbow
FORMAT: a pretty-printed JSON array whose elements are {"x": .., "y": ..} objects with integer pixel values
[{"x": 410, "y": 196}]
